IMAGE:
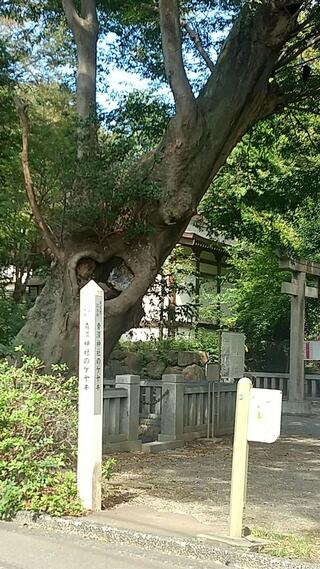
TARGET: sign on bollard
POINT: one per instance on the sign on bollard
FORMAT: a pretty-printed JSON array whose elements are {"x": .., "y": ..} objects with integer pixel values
[
  {"x": 90, "y": 395},
  {"x": 258, "y": 418},
  {"x": 264, "y": 422}
]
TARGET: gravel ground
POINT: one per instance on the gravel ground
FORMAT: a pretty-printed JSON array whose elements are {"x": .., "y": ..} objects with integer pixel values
[{"x": 283, "y": 488}]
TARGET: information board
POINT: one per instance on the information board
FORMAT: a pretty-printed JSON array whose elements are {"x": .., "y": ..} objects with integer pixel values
[
  {"x": 264, "y": 423},
  {"x": 232, "y": 355}
]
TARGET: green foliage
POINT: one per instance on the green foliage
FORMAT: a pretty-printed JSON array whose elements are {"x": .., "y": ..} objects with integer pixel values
[
  {"x": 197, "y": 340},
  {"x": 12, "y": 318},
  {"x": 10, "y": 499},
  {"x": 119, "y": 201},
  {"x": 38, "y": 420},
  {"x": 288, "y": 546},
  {"x": 271, "y": 175},
  {"x": 253, "y": 303},
  {"x": 267, "y": 197},
  {"x": 108, "y": 466},
  {"x": 141, "y": 118}
]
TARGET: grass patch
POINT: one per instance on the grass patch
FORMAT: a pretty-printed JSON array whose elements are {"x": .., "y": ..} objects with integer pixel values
[{"x": 289, "y": 546}]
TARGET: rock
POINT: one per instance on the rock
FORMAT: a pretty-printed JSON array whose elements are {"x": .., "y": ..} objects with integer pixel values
[
  {"x": 150, "y": 356},
  {"x": 213, "y": 371},
  {"x": 203, "y": 358},
  {"x": 173, "y": 369},
  {"x": 134, "y": 362},
  {"x": 113, "y": 368},
  {"x": 172, "y": 358},
  {"x": 193, "y": 373},
  {"x": 155, "y": 370},
  {"x": 188, "y": 358}
]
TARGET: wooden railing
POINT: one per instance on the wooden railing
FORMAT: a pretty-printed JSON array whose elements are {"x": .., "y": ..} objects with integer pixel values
[
  {"x": 202, "y": 409},
  {"x": 264, "y": 380},
  {"x": 312, "y": 386},
  {"x": 280, "y": 381},
  {"x": 150, "y": 397},
  {"x": 121, "y": 413},
  {"x": 114, "y": 409},
  {"x": 209, "y": 408}
]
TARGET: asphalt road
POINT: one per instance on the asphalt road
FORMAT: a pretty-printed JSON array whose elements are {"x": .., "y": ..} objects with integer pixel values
[{"x": 24, "y": 548}]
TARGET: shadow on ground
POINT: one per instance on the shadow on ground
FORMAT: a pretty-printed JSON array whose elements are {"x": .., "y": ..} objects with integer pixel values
[{"x": 283, "y": 487}]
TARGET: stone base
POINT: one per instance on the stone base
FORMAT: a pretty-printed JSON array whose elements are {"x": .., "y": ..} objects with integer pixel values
[
  {"x": 123, "y": 446},
  {"x": 168, "y": 438},
  {"x": 157, "y": 446},
  {"x": 249, "y": 543},
  {"x": 193, "y": 436},
  {"x": 296, "y": 408}
]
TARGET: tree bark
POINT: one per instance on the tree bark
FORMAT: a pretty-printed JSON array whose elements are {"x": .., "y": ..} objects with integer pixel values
[
  {"x": 85, "y": 30},
  {"x": 197, "y": 142}
]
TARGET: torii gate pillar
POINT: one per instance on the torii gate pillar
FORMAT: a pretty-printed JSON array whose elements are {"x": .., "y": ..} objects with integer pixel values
[{"x": 298, "y": 290}]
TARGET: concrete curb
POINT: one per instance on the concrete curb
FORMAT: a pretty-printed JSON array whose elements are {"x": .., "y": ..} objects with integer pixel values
[{"x": 193, "y": 548}]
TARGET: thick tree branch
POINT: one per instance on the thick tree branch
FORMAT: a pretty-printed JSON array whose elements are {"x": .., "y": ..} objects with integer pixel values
[
  {"x": 88, "y": 11},
  {"x": 72, "y": 15},
  {"x": 48, "y": 235},
  {"x": 85, "y": 28},
  {"x": 198, "y": 44},
  {"x": 87, "y": 22},
  {"x": 172, "y": 52}
]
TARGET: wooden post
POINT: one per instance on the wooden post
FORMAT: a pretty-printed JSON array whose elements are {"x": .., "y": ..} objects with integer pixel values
[
  {"x": 90, "y": 395},
  {"x": 240, "y": 458},
  {"x": 298, "y": 292},
  {"x": 296, "y": 384}
]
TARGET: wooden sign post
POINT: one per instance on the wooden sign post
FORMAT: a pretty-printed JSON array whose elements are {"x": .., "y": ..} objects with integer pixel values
[
  {"x": 90, "y": 395},
  {"x": 258, "y": 418},
  {"x": 240, "y": 458}
]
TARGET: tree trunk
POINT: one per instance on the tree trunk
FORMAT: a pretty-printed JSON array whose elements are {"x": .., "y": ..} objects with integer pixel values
[
  {"x": 197, "y": 142},
  {"x": 86, "y": 92},
  {"x": 20, "y": 285}
]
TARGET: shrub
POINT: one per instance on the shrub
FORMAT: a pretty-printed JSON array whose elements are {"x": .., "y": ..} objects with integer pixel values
[
  {"x": 12, "y": 318},
  {"x": 108, "y": 466},
  {"x": 38, "y": 438},
  {"x": 201, "y": 340}
]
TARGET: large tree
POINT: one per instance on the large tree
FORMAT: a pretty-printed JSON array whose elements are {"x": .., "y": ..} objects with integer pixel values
[{"x": 138, "y": 208}]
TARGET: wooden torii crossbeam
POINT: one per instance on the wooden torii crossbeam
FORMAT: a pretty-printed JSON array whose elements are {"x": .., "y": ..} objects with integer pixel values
[{"x": 298, "y": 291}]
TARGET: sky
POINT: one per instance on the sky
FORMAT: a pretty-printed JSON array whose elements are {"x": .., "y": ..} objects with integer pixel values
[{"x": 113, "y": 83}]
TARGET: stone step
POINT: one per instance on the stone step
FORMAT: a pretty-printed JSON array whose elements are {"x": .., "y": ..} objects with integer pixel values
[{"x": 158, "y": 446}]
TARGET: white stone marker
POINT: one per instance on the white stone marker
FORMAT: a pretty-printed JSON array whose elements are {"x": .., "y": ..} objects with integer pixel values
[
  {"x": 258, "y": 418},
  {"x": 90, "y": 395}
]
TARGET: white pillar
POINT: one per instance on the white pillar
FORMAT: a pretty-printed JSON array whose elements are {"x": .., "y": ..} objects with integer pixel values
[{"x": 90, "y": 395}]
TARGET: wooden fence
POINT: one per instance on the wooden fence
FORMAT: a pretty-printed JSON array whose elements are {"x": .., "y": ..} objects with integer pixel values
[
  {"x": 281, "y": 380},
  {"x": 114, "y": 411},
  {"x": 179, "y": 410},
  {"x": 209, "y": 409},
  {"x": 183, "y": 410},
  {"x": 150, "y": 397}
]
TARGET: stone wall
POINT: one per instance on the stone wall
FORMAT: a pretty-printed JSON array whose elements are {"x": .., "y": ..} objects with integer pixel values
[{"x": 153, "y": 364}]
